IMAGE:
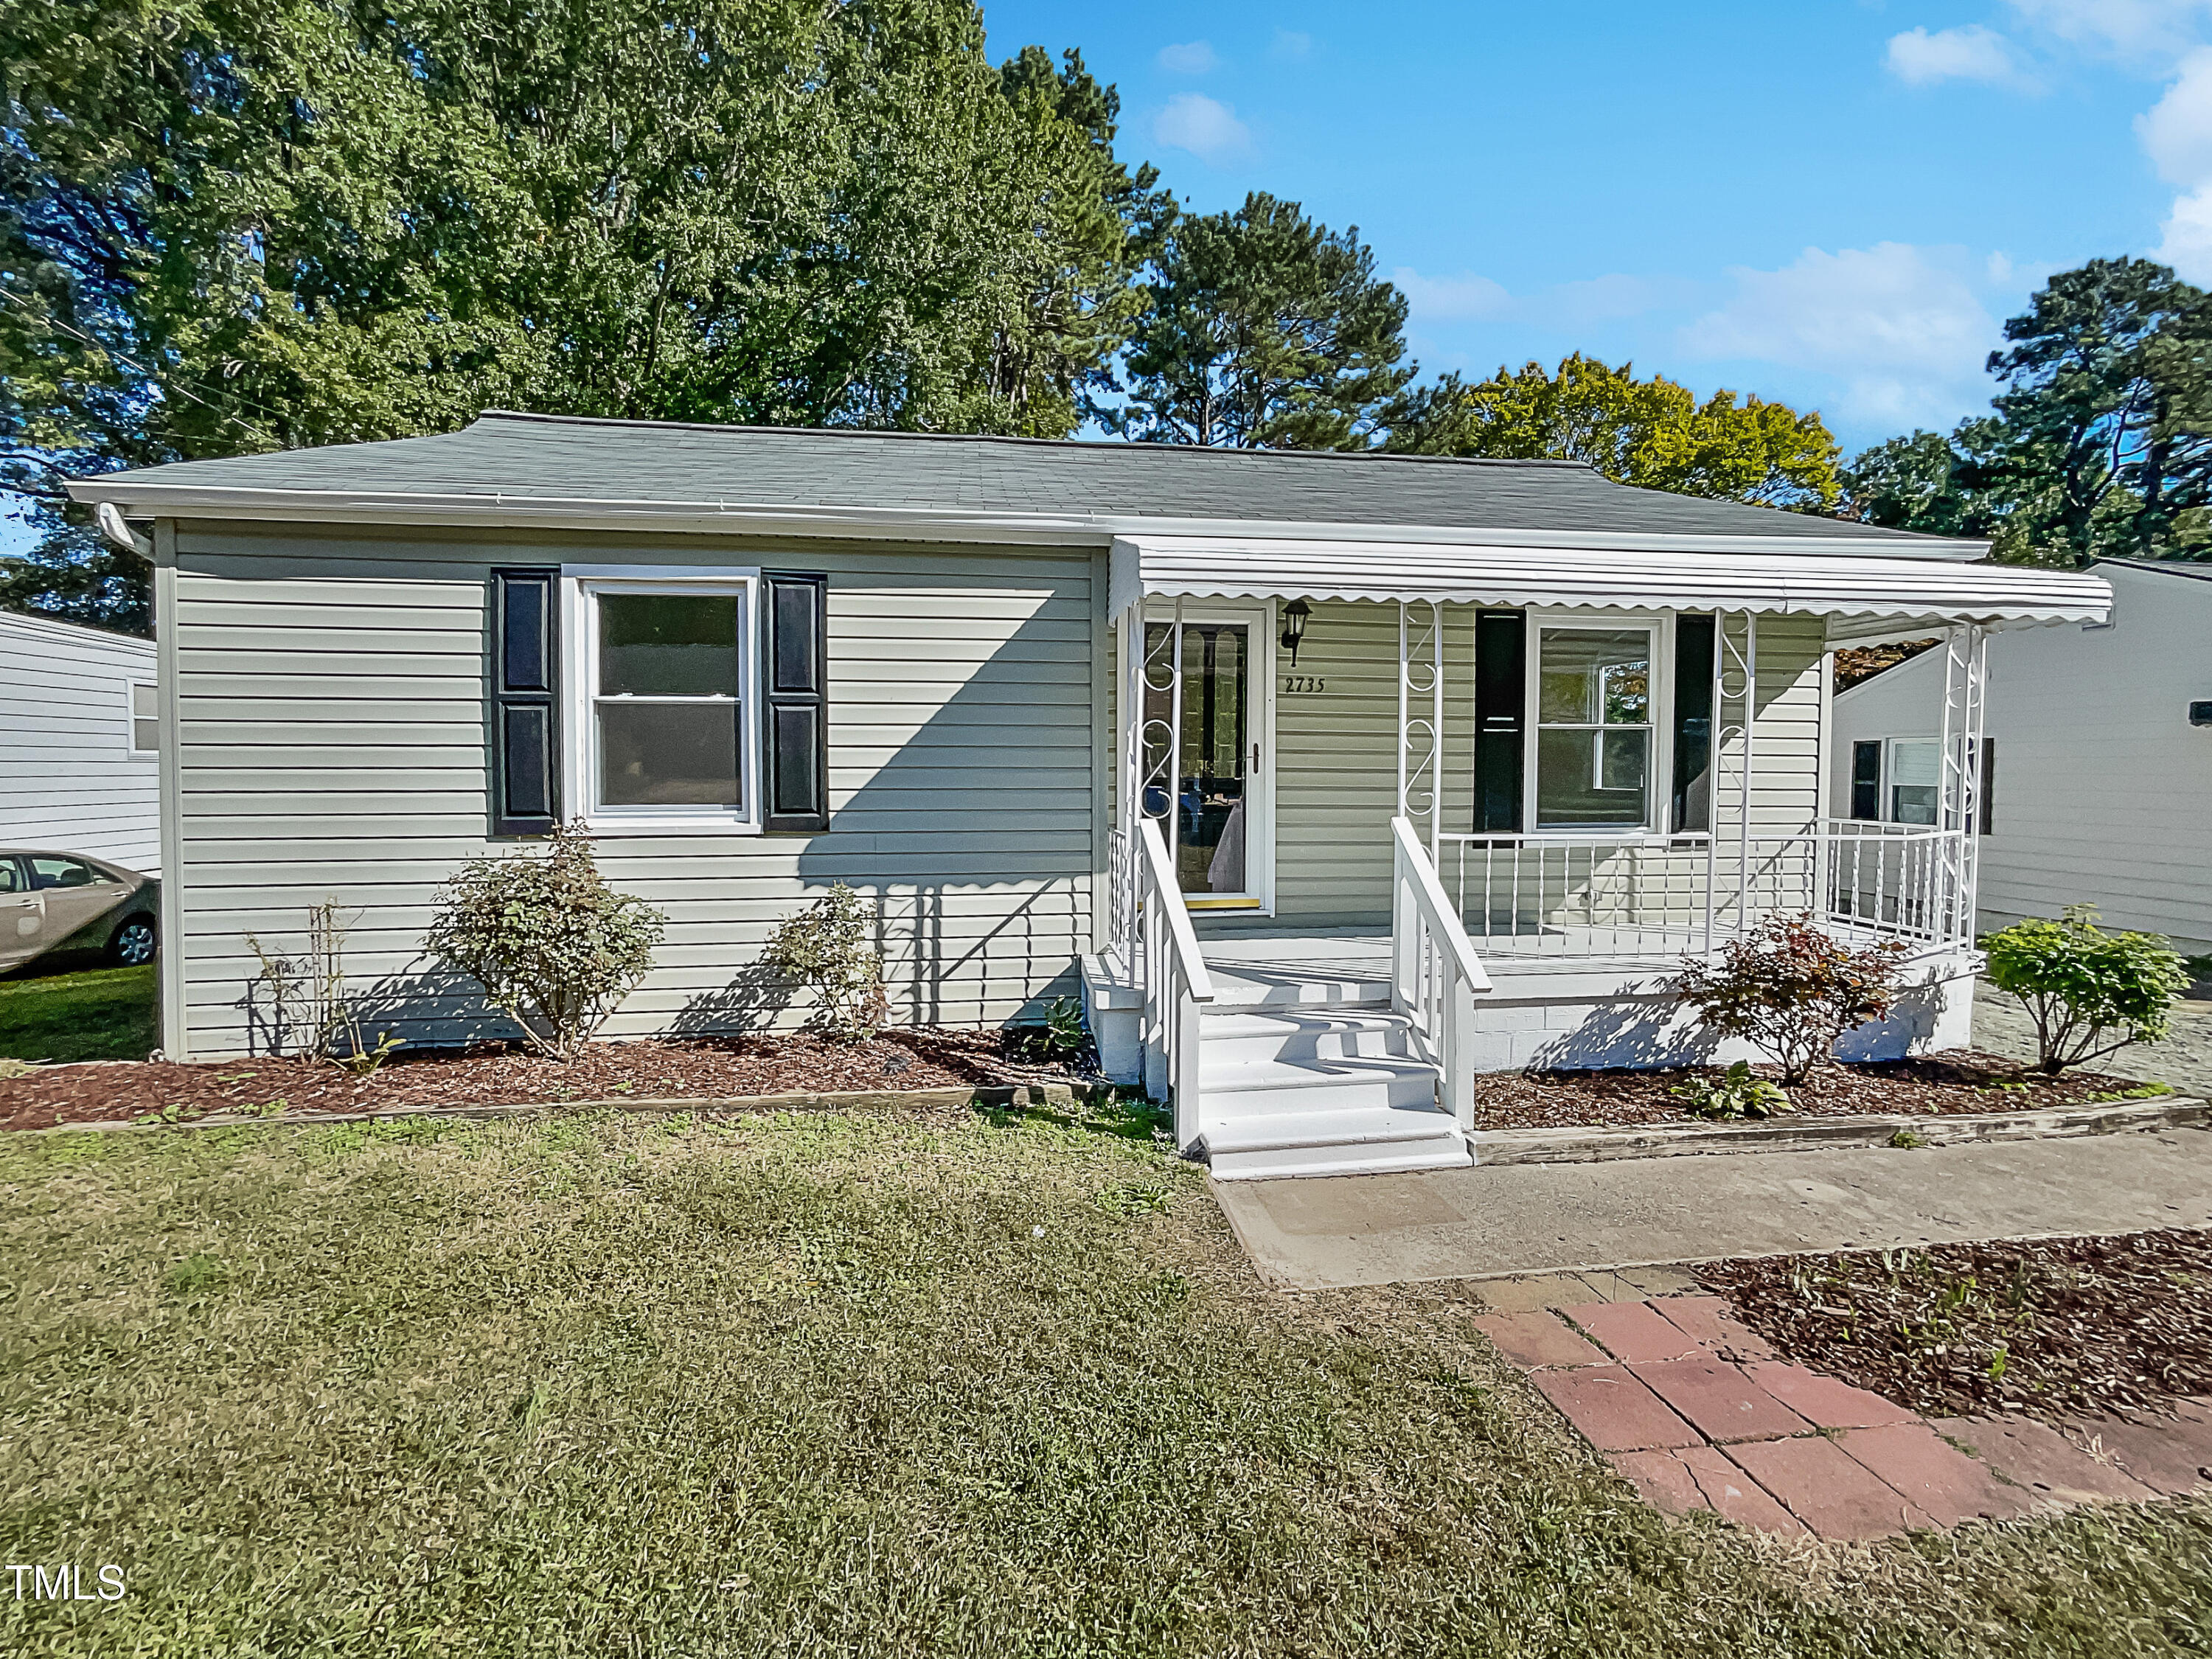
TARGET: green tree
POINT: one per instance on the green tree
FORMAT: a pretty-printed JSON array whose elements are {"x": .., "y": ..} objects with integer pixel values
[
  {"x": 1262, "y": 330},
  {"x": 2101, "y": 441},
  {"x": 229, "y": 226},
  {"x": 1654, "y": 434}
]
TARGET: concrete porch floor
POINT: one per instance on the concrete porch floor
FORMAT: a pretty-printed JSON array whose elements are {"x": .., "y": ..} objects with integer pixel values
[{"x": 1331, "y": 1231}]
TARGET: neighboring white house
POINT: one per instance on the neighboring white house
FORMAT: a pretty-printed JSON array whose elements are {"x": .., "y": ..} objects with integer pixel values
[
  {"x": 79, "y": 742},
  {"x": 2096, "y": 766},
  {"x": 1328, "y": 779}
]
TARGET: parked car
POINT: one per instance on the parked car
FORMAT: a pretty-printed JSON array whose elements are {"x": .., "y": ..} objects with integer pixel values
[{"x": 64, "y": 901}]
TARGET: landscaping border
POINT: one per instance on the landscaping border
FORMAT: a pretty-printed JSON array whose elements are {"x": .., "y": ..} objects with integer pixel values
[
  {"x": 1591, "y": 1145},
  {"x": 1018, "y": 1097}
]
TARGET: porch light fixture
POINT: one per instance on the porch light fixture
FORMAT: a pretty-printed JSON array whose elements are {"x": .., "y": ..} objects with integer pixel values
[{"x": 1294, "y": 626}]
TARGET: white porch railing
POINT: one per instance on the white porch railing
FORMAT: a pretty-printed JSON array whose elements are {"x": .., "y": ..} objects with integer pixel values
[
  {"x": 1174, "y": 979},
  {"x": 1434, "y": 974},
  {"x": 1654, "y": 897}
]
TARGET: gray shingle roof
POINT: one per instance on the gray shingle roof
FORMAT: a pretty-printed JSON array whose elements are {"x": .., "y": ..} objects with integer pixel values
[{"x": 522, "y": 457}]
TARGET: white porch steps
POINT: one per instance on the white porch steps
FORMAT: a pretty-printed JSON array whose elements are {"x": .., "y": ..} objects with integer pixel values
[{"x": 1292, "y": 1088}]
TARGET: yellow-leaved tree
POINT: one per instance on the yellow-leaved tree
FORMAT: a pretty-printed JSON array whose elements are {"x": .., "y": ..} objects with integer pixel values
[{"x": 1652, "y": 432}]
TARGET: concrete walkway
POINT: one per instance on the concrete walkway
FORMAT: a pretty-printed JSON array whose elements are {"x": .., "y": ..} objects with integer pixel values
[{"x": 1315, "y": 1233}]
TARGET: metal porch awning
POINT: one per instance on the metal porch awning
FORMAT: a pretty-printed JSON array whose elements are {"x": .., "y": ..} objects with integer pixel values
[{"x": 1829, "y": 584}]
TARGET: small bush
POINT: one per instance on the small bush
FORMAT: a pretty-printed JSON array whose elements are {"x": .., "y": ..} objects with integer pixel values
[
  {"x": 555, "y": 948},
  {"x": 1791, "y": 989},
  {"x": 2079, "y": 982},
  {"x": 310, "y": 1005},
  {"x": 1062, "y": 1035},
  {"x": 1734, "y": 1093},
  {"x": 826, "y": 948}
]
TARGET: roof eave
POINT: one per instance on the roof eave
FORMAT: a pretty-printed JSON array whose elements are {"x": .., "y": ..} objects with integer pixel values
[{"x": 494, "y": 510}]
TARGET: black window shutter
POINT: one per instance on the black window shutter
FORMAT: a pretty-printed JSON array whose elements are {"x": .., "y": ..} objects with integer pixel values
[
  {"x": 1985, "y": 795},
  {"x": 796, "y": 645},
  {"x": 1693, "y": 722},
  {"x": 1501, "y": 645},
  {"x": 525, "y": 670},
  {"x": 1866, "y": 779}
]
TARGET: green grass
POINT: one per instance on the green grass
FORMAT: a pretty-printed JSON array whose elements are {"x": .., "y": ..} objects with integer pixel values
[
  {"x": 851, "y": 1385},
  {"x": 107, "y": 1013}
]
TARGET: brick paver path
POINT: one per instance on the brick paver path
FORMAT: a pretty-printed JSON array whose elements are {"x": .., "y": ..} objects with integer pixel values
[{"x": 1696, "y": 1411}]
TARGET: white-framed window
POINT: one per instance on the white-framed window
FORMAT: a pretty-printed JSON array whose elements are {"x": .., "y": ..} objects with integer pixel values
[
  {"x": 663, "y": 722},
  {"x": 1601, "y": 695},
  {"x": 145, "y": 718}
]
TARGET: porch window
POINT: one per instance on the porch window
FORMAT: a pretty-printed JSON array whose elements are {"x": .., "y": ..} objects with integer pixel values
[
  {"x": 1916, "y": 779},
  {"x": 666, "y": 670},
  {"x": 1594, "y": 727}
]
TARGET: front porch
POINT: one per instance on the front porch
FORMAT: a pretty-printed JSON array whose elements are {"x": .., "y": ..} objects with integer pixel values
[{"x": 1369, "y": 844}]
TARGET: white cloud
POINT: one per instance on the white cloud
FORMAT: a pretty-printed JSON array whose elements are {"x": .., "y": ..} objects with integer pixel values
[
  {"x": 1191, "y": 57},
  {"x": 1971, "y": 53},
  {"x": 1567, "y": 304},
  {"x": 2131, "y": 29},
  {"x": 1451, "y": 299},
  {"x": 1292, "y": 43},
  {"x": 1901, "y": 327},
  {"x": 1207, "y": 129},
  {"x": 2177, "y": 135},
  {"x": 2177, "y": 131},
  {"x": 2187, "y": 242}
]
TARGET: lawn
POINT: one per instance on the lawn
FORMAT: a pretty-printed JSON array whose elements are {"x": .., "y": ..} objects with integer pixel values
[
  {"x": 851, "y": 1385},
  {"x": 107, "y": 1013}
]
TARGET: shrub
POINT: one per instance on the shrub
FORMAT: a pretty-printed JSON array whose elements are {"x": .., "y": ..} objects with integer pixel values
[
  {"x": 309, "y": 1002},
  {"x": 825, "y": 947},
  {"x": 2077, "y": 982},
  {"x": 555, "y": 948},
  {"x": 1791, "y": 989},
  {"x": 1734, "y": 1093},
  {"x": 1063, "y": 1035}
]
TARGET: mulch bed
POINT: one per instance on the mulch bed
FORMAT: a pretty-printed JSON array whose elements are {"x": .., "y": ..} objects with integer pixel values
[
  {"x": 1956, "y": 1081},
  {"x": 2072, "y": 1325},
  {"x": 502, "y": 1074}
]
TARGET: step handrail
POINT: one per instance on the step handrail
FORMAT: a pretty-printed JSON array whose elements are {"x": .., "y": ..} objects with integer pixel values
[
  {"x": 1176, "y": 983},
  {"x": 1434, "y": 975}
]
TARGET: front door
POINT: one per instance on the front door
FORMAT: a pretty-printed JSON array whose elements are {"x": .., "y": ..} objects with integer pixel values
[{"x": 1208, "y": 788}]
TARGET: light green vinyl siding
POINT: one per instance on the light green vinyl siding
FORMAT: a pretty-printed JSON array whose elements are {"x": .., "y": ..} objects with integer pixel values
[{"x": 330, "y": 692}]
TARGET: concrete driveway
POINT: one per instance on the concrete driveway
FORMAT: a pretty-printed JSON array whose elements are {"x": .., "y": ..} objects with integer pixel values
[{"x": 1315, "y": 1233}]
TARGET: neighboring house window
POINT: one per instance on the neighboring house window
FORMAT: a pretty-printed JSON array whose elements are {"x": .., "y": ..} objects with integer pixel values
[
  {"x": 145, "y": 719},
  {"x": 1916, "y": 779},
  {"x": 1596, "y": 715},
  {"x": 1985, "y": 804},
  {"x": 668, "y": 695},
  {"x": 1866, "y": 779}
]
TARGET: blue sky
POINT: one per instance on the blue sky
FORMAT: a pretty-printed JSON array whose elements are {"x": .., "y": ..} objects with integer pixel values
[{"x": 1836, "y": 204}]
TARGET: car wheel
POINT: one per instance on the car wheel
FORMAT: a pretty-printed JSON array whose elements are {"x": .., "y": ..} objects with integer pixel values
[{"x": 133, "y": 943}]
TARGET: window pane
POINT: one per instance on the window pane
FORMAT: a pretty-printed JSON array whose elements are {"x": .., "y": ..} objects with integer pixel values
[
  {"x": 668, "y": 754},
  {"x": 1916, "y": 776},
  {"x": 146, "y": 736},
  {"x": 61, "y": 872},
  {"x": 1215, "y": 739},
  {"x": 1592, "y": 780},
  {"x": 1595, "y": 675},
  {"x": 669, "y": 644}
]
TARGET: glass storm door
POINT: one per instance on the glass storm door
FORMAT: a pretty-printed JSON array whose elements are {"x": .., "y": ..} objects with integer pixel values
[{"x": 1212, "y": 766}]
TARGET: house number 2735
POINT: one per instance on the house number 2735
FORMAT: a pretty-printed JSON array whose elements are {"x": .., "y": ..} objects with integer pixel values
[{"x": 1304, "y": 683}]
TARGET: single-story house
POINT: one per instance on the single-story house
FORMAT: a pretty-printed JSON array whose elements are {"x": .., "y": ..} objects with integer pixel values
[
  {"x": 79, "y": 742},
  {"x": 2095, "y": 768},
  {"x": 1326, "y": 779}
]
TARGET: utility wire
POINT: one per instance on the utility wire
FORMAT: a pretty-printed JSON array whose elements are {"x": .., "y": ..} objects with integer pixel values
[{"x": 185, "y": 392}]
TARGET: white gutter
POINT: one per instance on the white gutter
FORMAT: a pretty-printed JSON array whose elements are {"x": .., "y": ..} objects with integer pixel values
[{"x": 496, "y": 510}]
